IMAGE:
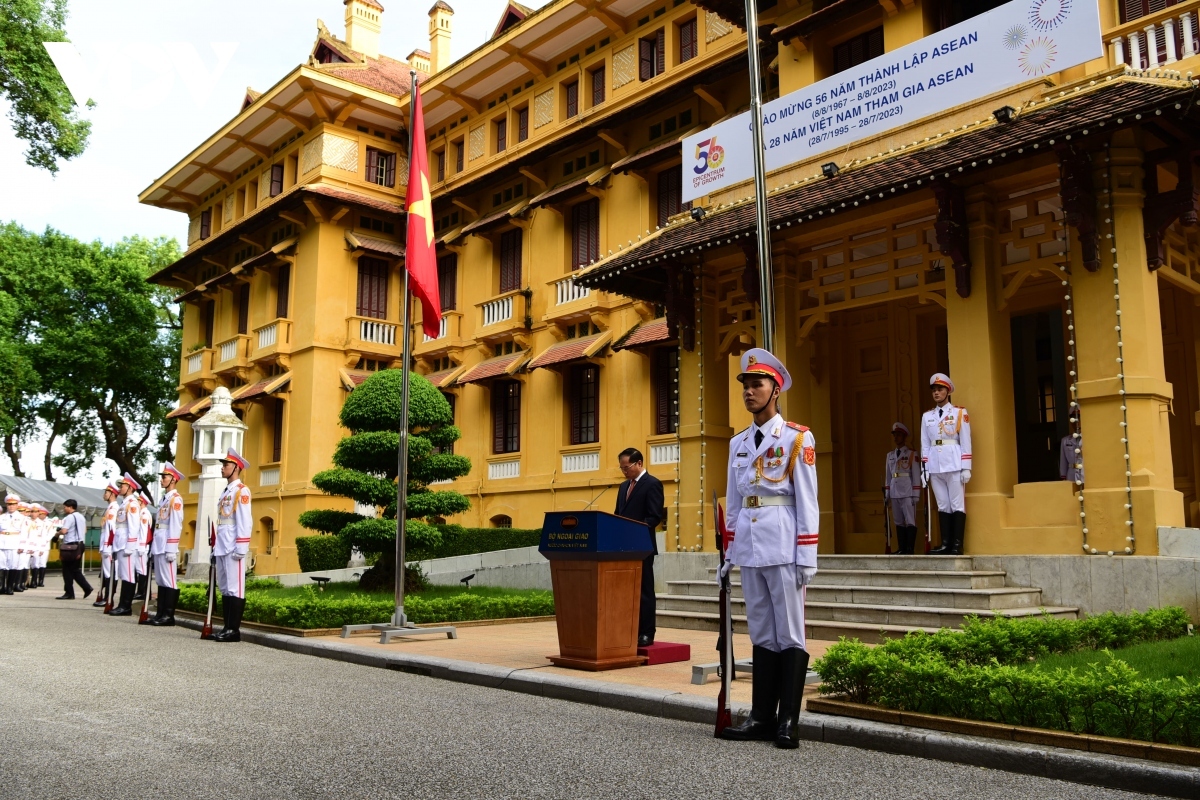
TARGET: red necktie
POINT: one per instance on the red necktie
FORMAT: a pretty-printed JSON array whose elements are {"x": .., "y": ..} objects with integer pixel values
[{"x": 629, "y": 491}]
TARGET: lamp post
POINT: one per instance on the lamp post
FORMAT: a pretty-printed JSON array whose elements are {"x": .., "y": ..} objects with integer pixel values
[{"x": 212, "y": 436}]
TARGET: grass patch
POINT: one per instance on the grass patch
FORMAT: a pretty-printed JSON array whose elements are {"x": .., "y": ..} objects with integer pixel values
[
  {"x": 1175, "y": 658},
  {"x": 339, "y": 591}
]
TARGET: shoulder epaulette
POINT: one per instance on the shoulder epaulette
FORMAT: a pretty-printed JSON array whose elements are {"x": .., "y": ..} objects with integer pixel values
[
  {"x": 798, "y": 426},
  {"x": 743, "y": 430}
]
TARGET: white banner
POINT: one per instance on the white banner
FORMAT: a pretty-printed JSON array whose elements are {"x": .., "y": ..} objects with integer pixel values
[{"x": 1003, "y": 47}]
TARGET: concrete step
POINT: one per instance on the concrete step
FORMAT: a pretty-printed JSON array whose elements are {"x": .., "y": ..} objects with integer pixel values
[
  {"x": 921, "y": 597},
  {"x": 895, "y": 563},
  {"x": 814, "y": 629},
  {"x": 925, "y": 578},
  {"x": 869, "y": 614}
]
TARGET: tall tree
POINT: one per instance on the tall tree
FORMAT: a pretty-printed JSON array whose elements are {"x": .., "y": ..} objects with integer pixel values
[
  {"x": 42, "y": 112},
  {"x": 365, "y": 470}
]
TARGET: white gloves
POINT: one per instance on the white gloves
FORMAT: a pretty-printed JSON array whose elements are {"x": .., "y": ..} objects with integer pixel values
[
  {"x": 171, "y": 558},
  {"x": 804, "y": 575},
  {"x": 238, "y": 556},
  {"x": 924, "y": 479},
  {"x": 966, "y": 476},
  {"x": 723, "y": 570}
]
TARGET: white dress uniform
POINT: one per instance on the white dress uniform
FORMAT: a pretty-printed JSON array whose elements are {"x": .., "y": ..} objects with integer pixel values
[
  {"x": 126, "y": 531},
  {"x": 143, "y": 546},
  {"x": 902, "y": 479},
  {"x": 108, "y": 529},
  {"x": 46, "y": 534},
  {"x": 234, "y": 524},
  {"x": 1070, "y": 458},
  {"x": 166, "y": 538},
  {"x": 12, "y": 532},
  {"x": 946, "y": 453}
]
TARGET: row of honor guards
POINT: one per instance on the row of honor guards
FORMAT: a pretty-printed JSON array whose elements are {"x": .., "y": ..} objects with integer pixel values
[
  {"x": 26, "y": 530},
  {"x": 135, "y": 542}
]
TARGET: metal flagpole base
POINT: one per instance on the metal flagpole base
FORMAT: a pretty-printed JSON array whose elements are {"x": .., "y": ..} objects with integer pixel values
[{"x": 389, "y": 631}]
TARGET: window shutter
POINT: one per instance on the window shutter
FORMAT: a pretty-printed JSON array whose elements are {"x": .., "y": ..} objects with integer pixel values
[
  {"x": 205, "y": 223},
  {"x": 510, "y": 260},
  {"x": 441, "y": 165},
  {"x": 284, "y": 284},
  {"x": 598, "y": 86},
  {"x": 572, "y": 99},
  {"x": 514, "y": 410},
  {"x": 448, "y": 281},
  {"x": 372, "y": 288},
  {"x": 276, "y": 179},
  {"x": 277, "y": 443},
  {"x": 575, "y": 393},
  {"x": 669, "y": 181},
  {"x": 499, "y": 404},
  {"x": 662, "y": 393},
  {"x": 389, "y": 178},
  {"x": 459, "y": 151},
  {"x": 372, "y": 166},
  {"x": 210, "y": 312},
  {"x": 660, "y": 52},
  {"x": 594, "y": 232},
  {"x": 522, "y": 124},
  {"x": 646, "y": 59},
  {"x": 501, "y": 136},
  {"x": 244, "y": 308},
  {"x": 687, "y": 41}
]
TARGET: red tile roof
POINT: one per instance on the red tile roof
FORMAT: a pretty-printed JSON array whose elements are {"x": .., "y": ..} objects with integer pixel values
[
  {"x": 561, "y": 353},
  {"x": 493, "y": 219},
  {"x": 373, "y": 245},
  {"x": 645, "y": 333},
  {"x": 908, "y": 171},
  {"x": 191, "y": 408},
  {"x": 829, "y": 15},
  {"x": 444, "y": 377},
  {"x": 263, "y": 387},
  {"x": 491, "y": 368},
  {"x": 348, "y": 196},
  {"x": 383, "y": 74}
]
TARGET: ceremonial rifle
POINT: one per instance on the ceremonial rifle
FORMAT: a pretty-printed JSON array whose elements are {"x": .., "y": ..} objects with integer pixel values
[
  {"x": 112, "y": 574},
  {"x": 206, "y": 631},
  {"x": 928, "y": 510},
  {"x": 887, "y": 525},
  {"x": 144, "y": 618},
  {"x": 725, "y": 637}
]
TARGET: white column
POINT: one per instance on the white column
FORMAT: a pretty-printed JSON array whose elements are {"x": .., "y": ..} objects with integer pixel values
[
  {"x": 1169, "y": 35},
  {"x": 1189, "y": 45},
  {"x": 1151, "y": 45},
  {"x": 1119, "y": 50},
  {"x": 1135, "y": 50}
]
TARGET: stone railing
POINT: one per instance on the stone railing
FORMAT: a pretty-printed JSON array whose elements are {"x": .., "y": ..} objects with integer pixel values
[
  {"x": 566, "y": 291},
  {"x": 667, "y": 453},
  {"x": 581, "y": 462},
  {"x": 498, "y": 470},
  {"x": 498, "y": 310},
  {"x": 377, "y": 331},
  {"x": 268, "y": 335},
  {"x": 441, "y": 332},
  {"x": 1156, "y": 39},
  {"x": 269, "y": 477},
  {"x": 195, "y": 363}
]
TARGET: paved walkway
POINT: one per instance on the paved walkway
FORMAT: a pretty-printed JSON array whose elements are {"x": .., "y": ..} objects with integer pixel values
[{"x": 147, "y": 713}]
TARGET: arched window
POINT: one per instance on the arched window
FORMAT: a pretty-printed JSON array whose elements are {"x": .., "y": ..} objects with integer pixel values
[{"x": 501, "y": 521}]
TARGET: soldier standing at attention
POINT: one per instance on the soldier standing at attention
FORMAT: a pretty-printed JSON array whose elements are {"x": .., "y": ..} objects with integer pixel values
[
  {"x": 233, "y": 544},
  {"x": 126, "y": 532},
  {"x": 901, "y": 487},
  {"x": 165, "y": 547},
  {"x": 946, "y": 453},
  {"x": 1070, "y": 454},
  {"x": 42, "y": 554},
  {"x": 107, "y": 530},
  {"x": 145, "y": 534},
  {"x": 772, "y": 509},
  {"x": 12, "y": 530}
]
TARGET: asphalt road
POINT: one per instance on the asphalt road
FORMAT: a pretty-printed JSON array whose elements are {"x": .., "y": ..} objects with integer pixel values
[{"x": 98, "y": 707}]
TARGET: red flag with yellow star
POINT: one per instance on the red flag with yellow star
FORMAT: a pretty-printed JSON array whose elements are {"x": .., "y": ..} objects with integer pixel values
[{"x": 420, "y": 258}]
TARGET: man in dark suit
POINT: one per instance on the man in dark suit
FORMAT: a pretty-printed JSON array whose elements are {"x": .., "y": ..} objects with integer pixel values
[{"x": 641, "y": 497}]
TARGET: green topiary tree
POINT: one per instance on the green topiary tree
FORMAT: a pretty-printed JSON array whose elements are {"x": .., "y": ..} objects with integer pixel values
[{"x": 365, "y": 471}]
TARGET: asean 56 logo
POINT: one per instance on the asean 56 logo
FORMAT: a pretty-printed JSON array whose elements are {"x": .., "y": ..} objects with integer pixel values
[{"x": 709, "y": 154}]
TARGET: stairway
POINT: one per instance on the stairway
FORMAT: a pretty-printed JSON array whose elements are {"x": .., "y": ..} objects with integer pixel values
[{"x": 871, "y": 597}]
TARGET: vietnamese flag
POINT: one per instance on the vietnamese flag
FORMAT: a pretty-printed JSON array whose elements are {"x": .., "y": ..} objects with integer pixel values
[{"x": 420, "y": 258}]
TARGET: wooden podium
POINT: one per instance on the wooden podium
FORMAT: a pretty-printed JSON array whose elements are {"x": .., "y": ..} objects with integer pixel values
[{"x": 596, "y": 569}]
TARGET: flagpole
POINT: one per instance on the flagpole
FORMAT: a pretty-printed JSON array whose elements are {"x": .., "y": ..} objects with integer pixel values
[
  {"x": 766, "y": 282},
  {"x": 398, "y": 618}
]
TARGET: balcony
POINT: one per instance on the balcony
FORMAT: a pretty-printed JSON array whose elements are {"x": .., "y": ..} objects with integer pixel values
[
  {"x": 504, "y": 314},
  {"x": 273, "y": 339},
  {"x": 1157, "y": 39},
  {"x": 233, "y": 354},
  {"x": 197, "y": 367},
  {"x": 570, "y": 299},
  {"x": 449, "y": 335},
  {"x": 372, "y": 336}
]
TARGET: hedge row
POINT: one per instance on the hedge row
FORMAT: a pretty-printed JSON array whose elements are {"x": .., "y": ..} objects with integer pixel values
[
  {"x": 976, "y": 675},
  {"x": 319, "y": 612},
  {"x": 320, "y": 553},
  {"x": 460, "y": 541}
]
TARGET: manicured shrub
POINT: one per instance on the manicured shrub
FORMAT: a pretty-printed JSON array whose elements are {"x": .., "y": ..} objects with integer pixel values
[
  {"x": 977, "y": 674},
  {"x": 459, "y": 541},
  {"x": 318, "y": 553}
]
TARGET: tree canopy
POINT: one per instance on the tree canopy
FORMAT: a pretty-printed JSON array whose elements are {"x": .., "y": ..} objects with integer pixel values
[
  {"x": 42, "y": 111},
  {"x": 88, "y": 349},
  {"x": 366, "y": 467}
]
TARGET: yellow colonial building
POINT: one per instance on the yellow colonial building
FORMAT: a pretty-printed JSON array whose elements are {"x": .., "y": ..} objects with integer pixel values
[{"x": 587, "y": 309}]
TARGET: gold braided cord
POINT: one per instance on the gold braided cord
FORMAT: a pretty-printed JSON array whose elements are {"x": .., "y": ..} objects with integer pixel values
[{"x": 758, "y": 464}]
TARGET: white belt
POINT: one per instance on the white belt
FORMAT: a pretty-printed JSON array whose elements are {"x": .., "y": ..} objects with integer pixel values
[
  {"x": 225, "y": 523},
  {"x": 758, "y": 501},
  {"x": 901, "y": 474},
  {"x": 945, "y": 441}
]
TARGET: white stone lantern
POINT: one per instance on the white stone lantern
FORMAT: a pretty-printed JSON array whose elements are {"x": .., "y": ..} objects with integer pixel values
[{"x": 212, "y": 436}]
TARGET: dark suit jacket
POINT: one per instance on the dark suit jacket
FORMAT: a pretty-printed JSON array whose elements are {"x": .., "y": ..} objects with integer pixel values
[{"x": 645, "y": 504}]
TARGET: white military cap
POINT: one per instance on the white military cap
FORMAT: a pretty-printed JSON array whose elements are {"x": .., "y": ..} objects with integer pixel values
[
  {"x": 942, "y": 379},
  {"x": 759, "y": 362},
  {"x": 11, "y": 498},
  {"x": 900, "y": 426}
]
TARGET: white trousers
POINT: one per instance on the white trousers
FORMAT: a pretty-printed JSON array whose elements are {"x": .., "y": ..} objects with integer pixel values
[
  {"x": 125, "y": 566},
  {"x": 105, "y": 564},
  {"x": 231, "y": 576},
  {"x": 903, "y": 513},
  {"x": 8, "y": 559},
  {"x": 774, "y": 607},
  {"x": 139, "y": 562},
  {"x": 43, "y": 560},
  {"x": 948, "y": 491},
  {"x": 164, "y": 571}
]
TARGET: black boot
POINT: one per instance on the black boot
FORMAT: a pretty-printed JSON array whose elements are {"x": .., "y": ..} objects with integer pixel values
[
  {"x": 792, "y": 672},
  {"x": 234, "y": 606},
  {"x": 761, "y": 724},
  {"x": 20, "y": 587},
  {"x": 960, "y": 531},
  {"x": 166, "y": 608},
  {"x": 41, "y": 577},
  {"x": 6, "y": 582},
  {"x": 101, "y": 593},
  {"x": 946, "y": 526},
  {"x": 140, "y": 584},
  {"x": 123, "y": 607}
]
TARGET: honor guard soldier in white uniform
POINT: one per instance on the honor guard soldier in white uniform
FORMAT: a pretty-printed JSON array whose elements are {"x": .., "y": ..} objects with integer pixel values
[
  {"x": 126, "y": 532},
  {"x": 234, "y": 524},
  {"x": 901, "y": 488},
  {"x": 946, "y": 453},
  {"x": 12, "y": 531},
  {"x": 145, "y": 534},
  {"x": 1070, "y": 454},
  {"x": 772, "y": 510},
  {"x": 107, "y": 531},
  {"x": 42, "y": 551},
  {"x": 25, "y": 548},
  {"x": 165, "y": 547}
]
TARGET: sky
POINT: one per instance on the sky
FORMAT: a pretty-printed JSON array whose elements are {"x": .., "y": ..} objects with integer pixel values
[{"x": 166, "y": 76}]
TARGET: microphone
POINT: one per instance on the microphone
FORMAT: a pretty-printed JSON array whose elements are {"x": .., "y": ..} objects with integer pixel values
[{"x": 597, "y": 497}]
